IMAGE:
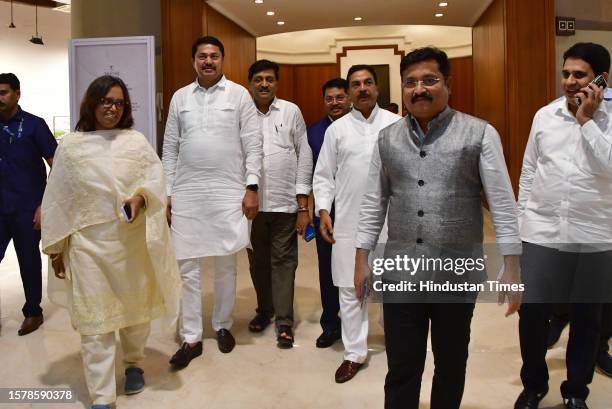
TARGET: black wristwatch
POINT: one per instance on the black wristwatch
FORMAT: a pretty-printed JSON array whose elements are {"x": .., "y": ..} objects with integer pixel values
[{"x": 253, "y": 188}]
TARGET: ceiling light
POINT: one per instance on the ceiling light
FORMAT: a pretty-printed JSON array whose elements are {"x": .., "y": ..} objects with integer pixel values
[
  {"x": 280, "y": 23},
  {"x": 258, "y": 1},
  {"x": 270, "y": 13},
  {"x": 357, "y": 18},
  {"x": 12, "y": 25},
  {"x": 439, "y": 14},
  {"x": 36, "y": 39},
  {"x": 443, "y": 4}
]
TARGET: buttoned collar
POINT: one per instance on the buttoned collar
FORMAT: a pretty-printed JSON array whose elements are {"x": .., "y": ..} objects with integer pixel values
[
  {"x": 220, "y": 84},
  {"x": 359, "y": 116},
  {"x": 600, "y": 111},
  {"x": 274, "y": 105}
]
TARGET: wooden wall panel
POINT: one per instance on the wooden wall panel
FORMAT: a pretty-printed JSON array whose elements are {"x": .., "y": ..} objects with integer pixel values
[
  {"x": 240, "y": 46},
  {"x": 301, "y": 84},
  {"x": 530, "y": 62},
  {"x": 513, "y": 56},
  {"x": 462, "y": 85},
  {"x": 286, "y": 85},
  {"x": 309, "y": 78},
  {"x": 182, "y": 22},
  {"x": 489, "y": 62}
]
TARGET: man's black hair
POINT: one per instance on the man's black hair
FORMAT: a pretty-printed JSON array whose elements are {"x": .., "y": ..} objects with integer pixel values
[
  {"x": 10, "y": 79},
  {"x": 335, "y": 83},
  {"x": 425, "y": 54},
  {"x": 596, "y": 55},
  {"x": 206, "y": 40},
  {"x": 262, "y": 65},
  {"x": 360, "y": 67}
]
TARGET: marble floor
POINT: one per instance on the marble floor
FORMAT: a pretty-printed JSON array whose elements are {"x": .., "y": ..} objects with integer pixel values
[{"x": 257, "y": 374}]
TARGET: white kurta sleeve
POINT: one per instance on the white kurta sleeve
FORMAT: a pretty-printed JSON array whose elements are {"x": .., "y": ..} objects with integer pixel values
[
  {"x": 303, "y": 183},
  {"x": 251, "y": 139},
  {"x": 498, "y": 188},
  {"x": 598, "y": 142},
  {"x": 373, "y": 209},
  {"x": 170, "y": 150},
  {"x": 530, "y": 163},
  {"x": 324, "y": 179}
]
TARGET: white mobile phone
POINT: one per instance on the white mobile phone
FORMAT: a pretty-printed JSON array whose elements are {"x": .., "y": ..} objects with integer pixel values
[{"x": 126, "y": 211}]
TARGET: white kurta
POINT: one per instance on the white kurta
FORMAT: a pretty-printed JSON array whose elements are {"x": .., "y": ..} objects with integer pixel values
[
  {"x": 212, "y": 150},
  {"x": 341, "y": 175}
]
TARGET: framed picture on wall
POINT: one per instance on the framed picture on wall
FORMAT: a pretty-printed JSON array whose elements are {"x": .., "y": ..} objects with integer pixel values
[{"x": 130, "y": 58}]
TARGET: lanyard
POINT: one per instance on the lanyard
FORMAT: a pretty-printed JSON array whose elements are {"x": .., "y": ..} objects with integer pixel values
[{"x": 6, "y": 129}]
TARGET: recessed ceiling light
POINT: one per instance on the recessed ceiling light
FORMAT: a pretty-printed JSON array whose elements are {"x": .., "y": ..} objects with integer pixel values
[
  {"x": 439, "y": 14},
  {"x": 280, "y": 23},
  {"x": 357, "y": 18},
  {"x": 270, "y": 13},
  {"x": 258, "y": 1},
  {"x": 443, "y": 4}
]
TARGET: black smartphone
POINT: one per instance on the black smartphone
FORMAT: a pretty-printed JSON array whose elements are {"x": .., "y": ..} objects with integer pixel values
[
  {"x": 126, "y": 210},
  {"x": 599, "y": 81}
]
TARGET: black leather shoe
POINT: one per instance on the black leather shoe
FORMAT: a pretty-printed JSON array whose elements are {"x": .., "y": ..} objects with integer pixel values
[
  {"x": 30, "y": 324},
  {"x": 185, "y": 354},
  {"x": 327, "y": 338},
  {"x": 529, "y": 400},
  {"x": 575, "y": 403},
  {"x": 225, "y": 341}
]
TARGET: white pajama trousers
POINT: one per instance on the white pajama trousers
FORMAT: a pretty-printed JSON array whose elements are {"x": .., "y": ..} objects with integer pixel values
[
  {"x": 190, "y": 329},
  {"x": 354, "y": 321},
  {"x": 98, "y": 353}
]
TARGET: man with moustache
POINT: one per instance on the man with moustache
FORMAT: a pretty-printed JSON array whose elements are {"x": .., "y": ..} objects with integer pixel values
[
  {"x": 341, "y": 176},
  {"x": 286, "y": 182},
  {"x": 426, "y": 175},
  {"x": 336, "y": 103},
  {"x": 25, "y": 140},
  {"x": 565, "y": 219},
  {"x": 212, "y": 158}
]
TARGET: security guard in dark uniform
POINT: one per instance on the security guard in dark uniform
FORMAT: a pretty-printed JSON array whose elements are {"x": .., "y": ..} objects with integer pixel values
[{"x": 25, "y": 140}]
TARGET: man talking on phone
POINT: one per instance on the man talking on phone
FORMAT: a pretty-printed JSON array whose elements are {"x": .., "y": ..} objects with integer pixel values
[
  {"x": 286, "y": 182},
  {"x": 565, "y": 220},
  {"x": 341, "y": 176}
]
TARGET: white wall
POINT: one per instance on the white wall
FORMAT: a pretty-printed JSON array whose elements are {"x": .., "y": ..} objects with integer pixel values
[
  {"x": 376, "y": 57},
  {"x": 42, "y": 70}
]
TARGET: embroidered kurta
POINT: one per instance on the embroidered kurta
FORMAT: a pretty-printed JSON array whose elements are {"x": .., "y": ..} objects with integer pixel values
[{"x": 117, "y": 274}]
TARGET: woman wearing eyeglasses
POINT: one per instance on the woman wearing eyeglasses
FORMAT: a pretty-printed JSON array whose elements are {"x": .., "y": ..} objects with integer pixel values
[{"x": 104, "y": 228}]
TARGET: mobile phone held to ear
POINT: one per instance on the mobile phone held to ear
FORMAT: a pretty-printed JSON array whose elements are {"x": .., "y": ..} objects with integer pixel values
[
  {"x": 310, "y": 233},
  {"x": 126, "y": 211},
  {"x": 599, "y": 81}
]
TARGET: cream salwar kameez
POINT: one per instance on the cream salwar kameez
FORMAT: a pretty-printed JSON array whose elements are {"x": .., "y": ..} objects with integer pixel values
[{"x": 119, "y": 276}]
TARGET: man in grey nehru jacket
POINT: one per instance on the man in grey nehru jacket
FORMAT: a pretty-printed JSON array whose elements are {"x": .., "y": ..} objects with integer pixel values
[{"x": 428, "y": 171}]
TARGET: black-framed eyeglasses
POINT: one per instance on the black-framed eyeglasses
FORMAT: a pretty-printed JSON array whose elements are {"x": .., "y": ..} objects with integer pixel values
[
  {"x": 427, "y": 82},
  {"x": 107, "y": 103},
  {"x": 339, "y": 99}
]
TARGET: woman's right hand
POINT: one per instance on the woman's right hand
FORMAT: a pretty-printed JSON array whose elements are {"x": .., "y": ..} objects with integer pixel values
[{"x": 57, "y": 261}]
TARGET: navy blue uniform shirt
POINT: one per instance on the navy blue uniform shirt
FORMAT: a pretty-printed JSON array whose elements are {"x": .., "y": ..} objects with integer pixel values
[
  {"x": 316, "y": 135},
  {"x": 22, "y": 171}
]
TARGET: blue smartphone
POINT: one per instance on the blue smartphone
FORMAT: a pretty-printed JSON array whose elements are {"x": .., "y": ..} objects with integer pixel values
[{"x": 310, "y": 233}]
